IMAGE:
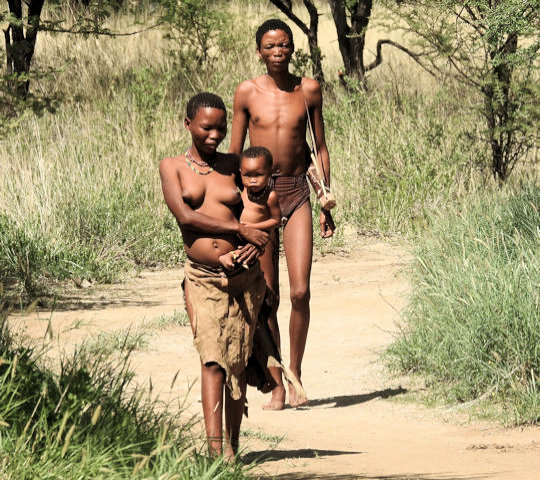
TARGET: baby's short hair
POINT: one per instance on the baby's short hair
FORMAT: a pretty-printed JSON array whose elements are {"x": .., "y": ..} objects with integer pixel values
[
  {"x": 272, "y": 24},
  {"x": 202, "y": 100},
  {"x": 254, "y": 152}
]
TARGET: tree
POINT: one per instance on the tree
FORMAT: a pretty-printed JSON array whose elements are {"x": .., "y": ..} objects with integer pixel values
[
  {"x": 492, "y": 47},
  {"x": 20, "y": 39},
  {"x": 352, "y": 19},
  {"x": 311, "y": 32},
  {"x": 24, "y": 22}
]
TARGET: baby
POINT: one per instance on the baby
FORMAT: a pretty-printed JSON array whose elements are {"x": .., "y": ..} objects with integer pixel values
[{"x": 261, "y": 207}]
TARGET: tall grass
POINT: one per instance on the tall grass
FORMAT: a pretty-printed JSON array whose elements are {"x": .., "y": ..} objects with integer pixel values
[
  {"x": 89, "y": 421},
  {"x": 79, "y": 190},
  {"x": 472, "y": 326}
]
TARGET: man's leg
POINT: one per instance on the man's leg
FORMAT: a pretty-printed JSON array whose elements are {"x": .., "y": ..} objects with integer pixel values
[
  {"x": 298, "y": 245},
  {"x": 212, "y": 382},
  {"x": 270, "y": 267}
]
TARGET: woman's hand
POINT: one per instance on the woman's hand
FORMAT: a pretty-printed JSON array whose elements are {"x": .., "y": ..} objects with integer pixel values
[
  {"x": 247, "y": 254},
  {"x": 254, "y": 236}
]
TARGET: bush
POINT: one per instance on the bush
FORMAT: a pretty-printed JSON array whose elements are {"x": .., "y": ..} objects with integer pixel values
[
  {"x": 89, "y": 421},
  {"x": 472, "y": 326}
]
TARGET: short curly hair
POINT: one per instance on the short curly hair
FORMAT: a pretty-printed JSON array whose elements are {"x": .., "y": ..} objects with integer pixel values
[
  {"x": 273, "y": 24},
  {"x": 254, "y": 152},
  {"x": 202, "y": 100}
]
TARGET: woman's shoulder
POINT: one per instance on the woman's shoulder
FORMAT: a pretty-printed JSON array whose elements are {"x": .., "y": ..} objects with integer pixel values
[{"x": 168, "y": 164}]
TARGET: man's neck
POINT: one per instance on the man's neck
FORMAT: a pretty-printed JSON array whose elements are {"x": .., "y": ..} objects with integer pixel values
[{"x": 285, "y": 81}]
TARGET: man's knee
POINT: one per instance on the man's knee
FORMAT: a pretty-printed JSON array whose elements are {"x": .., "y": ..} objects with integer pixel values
[{"x": 300, "y": 296}]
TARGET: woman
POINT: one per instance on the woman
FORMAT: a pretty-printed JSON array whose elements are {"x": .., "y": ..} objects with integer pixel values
[{"x": 200, "y": 190}]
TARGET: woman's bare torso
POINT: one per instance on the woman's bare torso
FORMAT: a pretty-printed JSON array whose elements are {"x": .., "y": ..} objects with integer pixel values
[{"x": 217, "y": 196}]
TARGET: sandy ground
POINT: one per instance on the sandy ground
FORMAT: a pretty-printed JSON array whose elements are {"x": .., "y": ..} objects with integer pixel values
[{"x": 358, "y": 424}]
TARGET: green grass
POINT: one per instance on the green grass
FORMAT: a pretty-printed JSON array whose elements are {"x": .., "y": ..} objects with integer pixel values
[
  {"x": 89, "y": 421},
  {"x": 472, "y": 327},
  {"x": 81, "y": 197},
  {"x": 178, "y": 317}
]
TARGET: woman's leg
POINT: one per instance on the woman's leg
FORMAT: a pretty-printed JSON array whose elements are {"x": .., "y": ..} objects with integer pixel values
[
  {"x": 212, "y": 382},
  {"x": 234, "y": 411}
]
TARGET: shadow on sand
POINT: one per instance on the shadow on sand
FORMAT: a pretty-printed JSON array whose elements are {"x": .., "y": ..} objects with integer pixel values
[
  {"x": 276, "y": 455},
  {"x": 348, "y": 400}
]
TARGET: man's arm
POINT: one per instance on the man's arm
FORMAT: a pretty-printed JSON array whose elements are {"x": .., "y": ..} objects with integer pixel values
[
  {"x": 191, "y": 219},
  {"x": 240, "y": 118},
  {"x": 315, "y": 103}
]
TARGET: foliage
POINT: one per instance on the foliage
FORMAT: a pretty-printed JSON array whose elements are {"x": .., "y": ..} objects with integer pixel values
[
  {"x": 472, "y": 326},
  {"x": 89, "y": 421},
  {"x": 196, "y": 29},
  {"x": 492, "y": 48}
]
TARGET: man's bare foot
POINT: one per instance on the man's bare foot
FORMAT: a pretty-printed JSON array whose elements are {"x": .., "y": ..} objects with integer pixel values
[
  {"x": 278, "y": 399},
  {"x": 295, "y": 399}
]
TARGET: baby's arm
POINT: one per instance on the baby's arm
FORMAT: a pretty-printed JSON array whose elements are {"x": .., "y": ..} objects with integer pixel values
[{"x": 275, "y": 214}]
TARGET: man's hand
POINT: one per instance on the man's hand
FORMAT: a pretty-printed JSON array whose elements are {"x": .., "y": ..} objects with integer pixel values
[
  {"x": 254, "y": 236},
  {"x": 328, "y": 226}
]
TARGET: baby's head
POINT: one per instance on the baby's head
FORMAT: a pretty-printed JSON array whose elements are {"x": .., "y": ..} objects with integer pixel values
[{"x": 255, "y": 168}]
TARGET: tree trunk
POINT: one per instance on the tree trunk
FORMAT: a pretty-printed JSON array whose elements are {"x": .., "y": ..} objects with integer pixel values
[
  {"x": 20, "y": 47},
  {"x": 352, "y": 38},
  {"x": 311, "y": 32},
  {"x": 497, "y": 98}
]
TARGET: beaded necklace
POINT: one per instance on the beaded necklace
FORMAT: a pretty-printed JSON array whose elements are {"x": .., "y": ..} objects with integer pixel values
[
  {"x": 190, "y": 159},
  {"x": 259, "y": 195}
]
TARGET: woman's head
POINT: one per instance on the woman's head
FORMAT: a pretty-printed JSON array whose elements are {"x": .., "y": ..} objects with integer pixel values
[
  {"x": 203, "y": 99},
  {"x": 206, "y": 120}
]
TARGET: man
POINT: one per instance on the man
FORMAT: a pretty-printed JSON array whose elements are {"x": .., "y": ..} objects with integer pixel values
[{"x": 273, "y": 108}]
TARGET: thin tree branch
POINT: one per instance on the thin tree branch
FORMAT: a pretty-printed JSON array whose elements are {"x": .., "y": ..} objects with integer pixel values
[
  {"x": 73, "y": 30},
  {"x": 413, "y": 55},
  {"x": 288, "y": 11}
]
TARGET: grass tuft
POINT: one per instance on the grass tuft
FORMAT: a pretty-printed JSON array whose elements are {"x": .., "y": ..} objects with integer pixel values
[{"x": 472, "y": 326}]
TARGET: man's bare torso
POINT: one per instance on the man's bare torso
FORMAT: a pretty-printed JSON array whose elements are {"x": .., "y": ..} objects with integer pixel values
[{"x": 277, "y": 121}]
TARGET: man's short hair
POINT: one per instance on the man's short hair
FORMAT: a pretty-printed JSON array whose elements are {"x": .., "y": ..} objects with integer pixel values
[
  {"x": 202, "y": 100},
  {"x": 273, "y": 24},
  {"x": 254, "y": 152}
]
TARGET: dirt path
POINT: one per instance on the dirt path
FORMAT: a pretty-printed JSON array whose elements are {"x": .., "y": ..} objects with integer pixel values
[{"x": 357, "y": 425}]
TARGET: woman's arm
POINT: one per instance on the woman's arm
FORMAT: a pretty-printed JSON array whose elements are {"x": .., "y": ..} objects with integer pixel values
[{"x": 191, "y": 219}]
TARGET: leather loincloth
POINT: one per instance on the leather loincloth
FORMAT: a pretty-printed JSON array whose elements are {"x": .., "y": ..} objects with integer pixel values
[
  {"x": 292, "y": 192},
  {"x": 225, "y": 307}
]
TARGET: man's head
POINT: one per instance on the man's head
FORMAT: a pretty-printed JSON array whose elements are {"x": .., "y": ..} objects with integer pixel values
[
  {"x": 203, "y": 99},
  {"x": 273, "y": 24}
]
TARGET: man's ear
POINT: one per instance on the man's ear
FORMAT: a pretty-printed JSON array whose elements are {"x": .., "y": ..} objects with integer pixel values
[
  {"x": 259, "y": 53},
  {"x": 187, "y": 123}
]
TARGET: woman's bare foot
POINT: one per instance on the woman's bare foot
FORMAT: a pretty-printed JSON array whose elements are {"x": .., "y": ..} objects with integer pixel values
[
  {"x": 231, "y": 450},
  {"x": 295, "y": 399},
  {"x": 278, "y": 399}
]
